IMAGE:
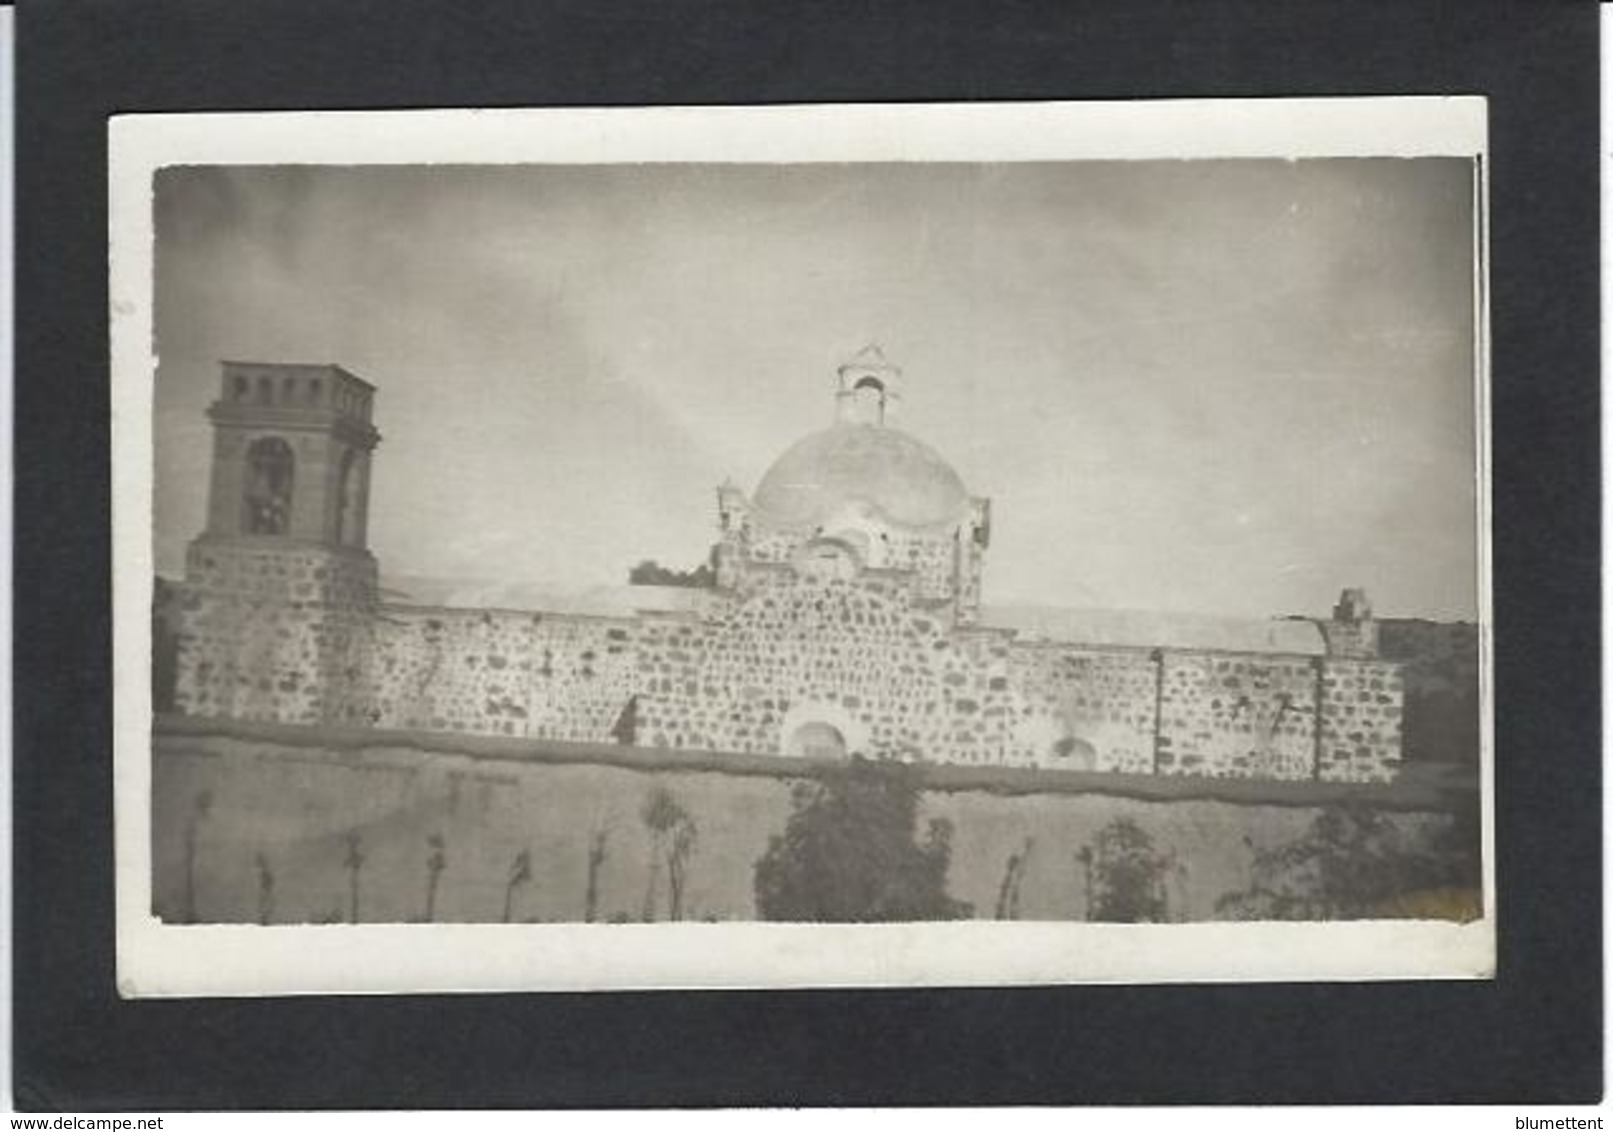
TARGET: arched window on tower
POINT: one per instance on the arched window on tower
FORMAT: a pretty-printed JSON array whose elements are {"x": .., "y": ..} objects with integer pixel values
[
  {"x": 347, "y": 508},
  {"x": 270, "y": 471}
]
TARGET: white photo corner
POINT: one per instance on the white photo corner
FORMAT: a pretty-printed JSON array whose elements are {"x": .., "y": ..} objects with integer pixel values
[{"x": 900, "y": 545}]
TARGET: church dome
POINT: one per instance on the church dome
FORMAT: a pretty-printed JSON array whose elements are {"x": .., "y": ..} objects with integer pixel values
[{"x": 896, "y": 476}]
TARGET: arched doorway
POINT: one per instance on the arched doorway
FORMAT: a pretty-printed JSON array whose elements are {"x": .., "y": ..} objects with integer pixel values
[{"x": 816, "y": 740}]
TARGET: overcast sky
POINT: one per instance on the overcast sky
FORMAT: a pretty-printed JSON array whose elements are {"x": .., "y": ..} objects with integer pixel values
[{"x": 1224, "y": 386}]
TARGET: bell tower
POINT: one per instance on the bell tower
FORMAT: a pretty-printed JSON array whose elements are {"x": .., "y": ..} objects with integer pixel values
[
  {"x": 291, "y": 456},
  {"x": 281, "y": 586}
]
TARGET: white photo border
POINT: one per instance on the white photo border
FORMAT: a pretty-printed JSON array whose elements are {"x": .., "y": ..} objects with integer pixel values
[{"x": 156, "y": 959}]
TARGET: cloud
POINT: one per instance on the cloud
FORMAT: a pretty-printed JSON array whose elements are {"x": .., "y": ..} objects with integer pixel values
[{"x": 1233, "y": 386}]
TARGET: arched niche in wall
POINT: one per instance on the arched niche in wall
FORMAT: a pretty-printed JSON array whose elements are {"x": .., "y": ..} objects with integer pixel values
[
  {"x": 1060, "y": 743},
  {"x": 1071, "y": 753},
  {"x": 816, "y": 729},
  {"x": 827, "y": 559},
  {"x": 816, "y": 740},
  {"x": 270, "y": 476}
]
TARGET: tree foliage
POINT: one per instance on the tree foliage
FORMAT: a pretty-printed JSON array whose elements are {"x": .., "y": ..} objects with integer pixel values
[
  {"x": 672, "y": 836},
  {"x": 1354, "y": 863},
  {"x": 1128, "y": 875},
  {"x": 651, "y": 573},
  {"x": 850, "y": 852}
]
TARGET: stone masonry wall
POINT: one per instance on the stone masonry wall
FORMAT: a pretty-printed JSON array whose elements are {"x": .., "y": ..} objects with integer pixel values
[
  {"x": 1196, "y": 713},
  {"x": 273, "y": 632},
  {"x": 502, "y": 672},
  {"x": 895, "y": 683},
  {"x": 981, "y": 706},
  {"x": 835, "y": 652},
  {"x": 1238, "y": 715},
  {"x": 932, "y": 558},
  {"x": 1086, "y": 709},
  {"x": 289, "y": 636},
  {"x": 1362, "y": 710},
  {"x": 295, "y": 636},
  {"x": 865, "y": 658}
]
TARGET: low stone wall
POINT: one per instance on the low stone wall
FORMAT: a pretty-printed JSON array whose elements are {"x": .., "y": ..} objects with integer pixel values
[{"x": 248, "y": 827}]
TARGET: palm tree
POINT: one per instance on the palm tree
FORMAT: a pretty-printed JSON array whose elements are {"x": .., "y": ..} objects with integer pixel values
[
  {"x": 597, "y": 852},
  {"x": 520, "y": 873},
  {"x": 436, "y": 862},
  {"x": 202, "y": 806},
  {"x": 684, "y": 835},
  {"x": 265, "y": 889},
  {"x": 353, "y": 862},
  {"x": 1013, "y": 878},
  {"x": 665, "y": 819},
  {"x": 1083, "y": 857},
  {"x": 1007, "y": 885}
]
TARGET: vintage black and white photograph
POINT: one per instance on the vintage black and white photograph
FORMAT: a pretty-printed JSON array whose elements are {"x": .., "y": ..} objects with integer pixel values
[{"x": 1033, "y": 533}]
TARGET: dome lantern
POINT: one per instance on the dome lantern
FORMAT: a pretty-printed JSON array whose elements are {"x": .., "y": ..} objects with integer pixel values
[{"x": 869, "y": 388}]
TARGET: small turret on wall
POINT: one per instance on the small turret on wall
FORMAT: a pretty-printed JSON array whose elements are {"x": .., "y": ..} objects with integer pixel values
[
  {"x": 733, "y": 521},
  {"x": 1353, "y": 632},
  {"x": 971, "y": 538},
  {"x": 870, "y": 389}
]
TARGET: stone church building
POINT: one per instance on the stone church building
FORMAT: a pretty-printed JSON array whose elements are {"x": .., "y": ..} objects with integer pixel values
[{"x": 845, "y": 617}]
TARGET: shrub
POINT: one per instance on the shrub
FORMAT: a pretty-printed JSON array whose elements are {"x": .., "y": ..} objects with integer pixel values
[
  {"x": 849, "y": 852},
  {"x": 1353, "y": 863},
  {"x": 1127, "y": 875}
]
